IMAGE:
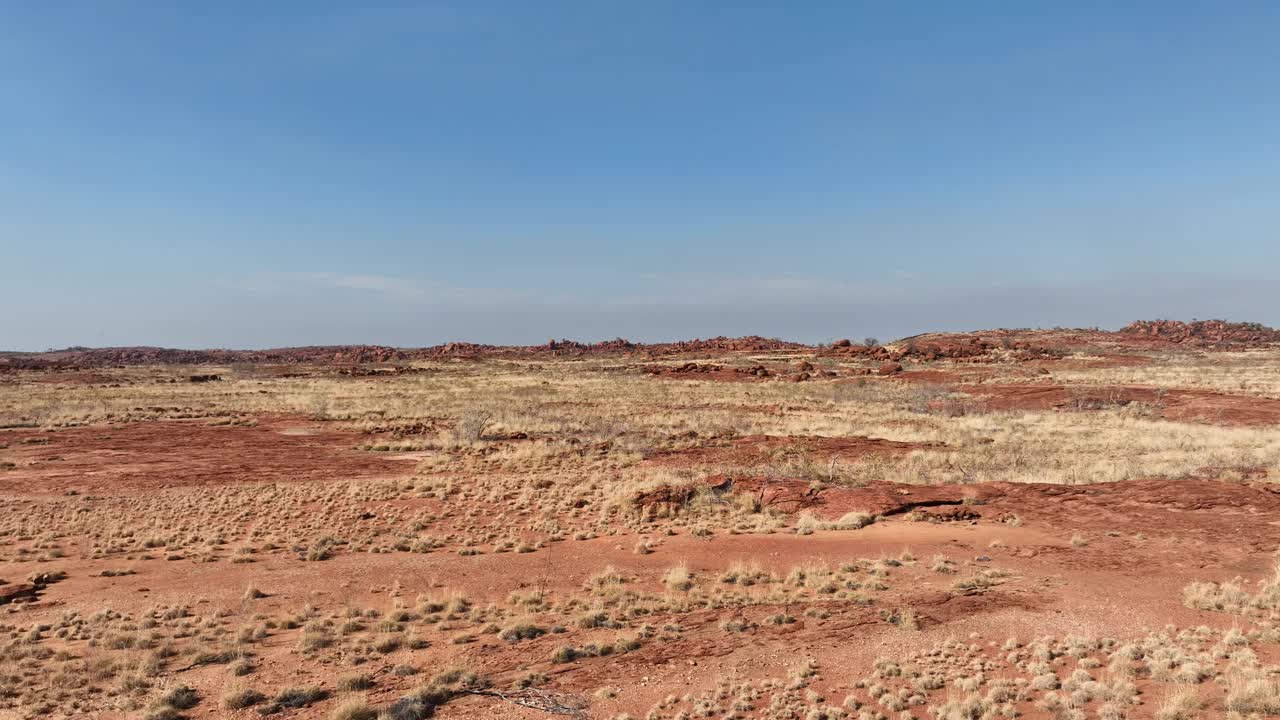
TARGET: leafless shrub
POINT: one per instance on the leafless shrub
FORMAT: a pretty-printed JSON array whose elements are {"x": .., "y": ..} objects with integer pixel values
[{"x": 471, "y": 425}]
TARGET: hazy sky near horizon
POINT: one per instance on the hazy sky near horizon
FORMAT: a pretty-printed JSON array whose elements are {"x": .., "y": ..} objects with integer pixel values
[{"x": 248, "y": 174}]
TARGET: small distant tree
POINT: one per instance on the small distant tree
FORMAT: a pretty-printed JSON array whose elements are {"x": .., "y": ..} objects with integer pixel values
[{"x": 870, "y": 341}]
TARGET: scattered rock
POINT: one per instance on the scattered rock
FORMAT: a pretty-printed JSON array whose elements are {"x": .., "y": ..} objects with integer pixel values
[
  {"x": 21, "y": 592},
  {"x": 685, "y": 369},
  {"x": 47, "y": 578},
  {"x": 1204, "y": 332},
  {"x": 889, "y": 368}
]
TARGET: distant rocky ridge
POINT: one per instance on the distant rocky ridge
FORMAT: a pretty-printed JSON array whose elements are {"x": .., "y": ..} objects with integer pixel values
[
  {"x": 81, "y": 357},
  {"x": 973, "y": 347},
  {"x": 1204, "y": 332}
]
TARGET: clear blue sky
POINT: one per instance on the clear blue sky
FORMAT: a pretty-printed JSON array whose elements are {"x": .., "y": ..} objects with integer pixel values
[{"x": 258, "y": 174}]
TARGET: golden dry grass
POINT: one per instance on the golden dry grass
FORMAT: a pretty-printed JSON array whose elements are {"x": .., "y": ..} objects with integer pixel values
[{"x": 564, "y": 406}]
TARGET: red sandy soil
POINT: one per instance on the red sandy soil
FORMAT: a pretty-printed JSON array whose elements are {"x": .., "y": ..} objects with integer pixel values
[{"x": 150, "y": 455}]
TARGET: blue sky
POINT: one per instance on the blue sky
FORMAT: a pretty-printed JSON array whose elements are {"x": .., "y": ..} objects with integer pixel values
[{"x": 261, "y": 174}]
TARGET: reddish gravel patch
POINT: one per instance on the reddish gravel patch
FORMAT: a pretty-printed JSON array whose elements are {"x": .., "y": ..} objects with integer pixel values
[
  {"x": 148, "y": 455},
  {"x": 709, "y": 372}
]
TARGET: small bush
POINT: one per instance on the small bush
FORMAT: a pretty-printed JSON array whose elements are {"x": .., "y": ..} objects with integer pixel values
[
  {"x": 1182, "y": 704},
  {"x": 854, "y": 521},
  {"x": 1253, "y": 695},
  {"x": 471, "y": 426},
  {"x": 243, "y": 698},
  {"x": 355, "y": 682},
  {"x": 299, "y": 697},
  {"x": 354, "y": 709},
  {"x": 407, "y": 708},
  {"x": 181, "y": 698},
  {"x": 521, "y": 631}
]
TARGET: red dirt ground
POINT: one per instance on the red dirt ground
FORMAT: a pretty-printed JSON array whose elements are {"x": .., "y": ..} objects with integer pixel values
[{"x": 149, "y": 455}]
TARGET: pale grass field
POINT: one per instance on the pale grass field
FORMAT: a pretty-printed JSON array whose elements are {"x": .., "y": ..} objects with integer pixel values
[
  {"x": 597, "y": 401},
  {"x": 1255, "y": 373}
]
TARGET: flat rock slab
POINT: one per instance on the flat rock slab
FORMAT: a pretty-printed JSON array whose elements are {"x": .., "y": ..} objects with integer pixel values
[{"x": 17, "y": 593}]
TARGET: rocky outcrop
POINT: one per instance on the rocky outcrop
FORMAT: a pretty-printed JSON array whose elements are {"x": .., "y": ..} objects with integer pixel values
[{"x": 1204, "y": 332}]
